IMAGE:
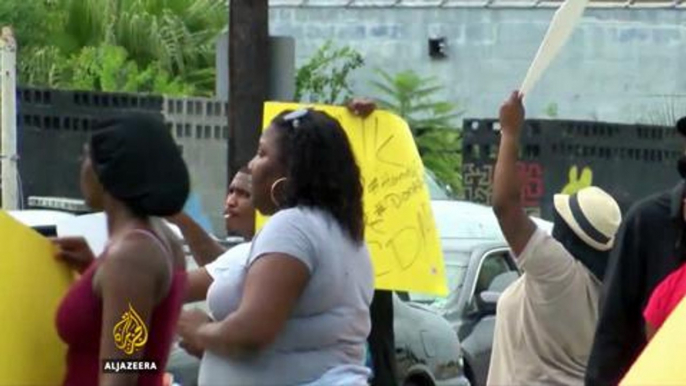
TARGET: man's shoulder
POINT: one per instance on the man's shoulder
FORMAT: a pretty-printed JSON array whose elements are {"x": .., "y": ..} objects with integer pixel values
[
  {"x": 657, "y": 205},
  {"x": 241, "y": 247},
  {"x": 299, "y": 215},
  {"x": 540, "y": 248},
  {"x": 239, "y": 253}
]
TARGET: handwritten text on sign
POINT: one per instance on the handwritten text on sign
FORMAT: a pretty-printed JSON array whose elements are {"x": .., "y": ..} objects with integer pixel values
[{"x": 400, "y": 228}]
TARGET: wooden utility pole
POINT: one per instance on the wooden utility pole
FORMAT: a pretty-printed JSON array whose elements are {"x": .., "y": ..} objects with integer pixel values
[{"x": 248, "y": 77}]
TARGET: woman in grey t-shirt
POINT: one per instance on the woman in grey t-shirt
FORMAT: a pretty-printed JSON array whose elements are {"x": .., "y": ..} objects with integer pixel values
[{"x": 297, "y": 311}]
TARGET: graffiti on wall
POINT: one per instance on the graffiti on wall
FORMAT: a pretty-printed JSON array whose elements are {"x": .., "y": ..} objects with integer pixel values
[
  {"x": 478, "y": 184},
  {"x": 578, "y": 181},
  {"x": 531, "y": 175}
]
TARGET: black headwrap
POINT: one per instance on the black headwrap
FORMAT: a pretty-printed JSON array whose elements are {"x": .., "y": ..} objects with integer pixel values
[
  {"x": 594, "y": 260},
  {"x": 138, "y": 162}
]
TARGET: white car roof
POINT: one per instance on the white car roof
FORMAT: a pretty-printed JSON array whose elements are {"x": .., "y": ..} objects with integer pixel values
[
  {"x": 467, "y": 220},
  {"x": 47, "y": 217},
  {"x": 40, "y": 217}
]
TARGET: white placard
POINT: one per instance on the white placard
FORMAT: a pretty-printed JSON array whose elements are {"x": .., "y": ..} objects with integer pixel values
[{"x": 561, "y": 27}]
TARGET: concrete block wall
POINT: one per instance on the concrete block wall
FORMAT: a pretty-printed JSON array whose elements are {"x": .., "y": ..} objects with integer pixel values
[
  {"x": 54, "y": 125},
  {"x": 200, "y": 126},
  {"x": 620, "y": 65}
]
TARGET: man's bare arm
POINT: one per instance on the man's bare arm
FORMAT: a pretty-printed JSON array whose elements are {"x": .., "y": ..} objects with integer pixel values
[
  {"x": 204, "y": 248},
  {"x": 517, "y": 227}
]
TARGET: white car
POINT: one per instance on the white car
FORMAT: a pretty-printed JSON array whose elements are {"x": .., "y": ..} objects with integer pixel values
[
  {"x": 43, "y": 220},
  {"x": 466, "y": 220}
]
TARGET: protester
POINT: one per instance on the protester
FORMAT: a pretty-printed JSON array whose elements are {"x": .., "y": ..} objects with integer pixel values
[
  {"x": 650, "y": 247},
  {"x": 299, "y": 311},
  {"x": 212, "y": 258},
  {"x": 546, "y": 318},
  {"x": 240, "y": 219},
  {"x": 666, "y": 297},
  {"x": 206, "y": 249},
  {"x": 126, "y": 303}
]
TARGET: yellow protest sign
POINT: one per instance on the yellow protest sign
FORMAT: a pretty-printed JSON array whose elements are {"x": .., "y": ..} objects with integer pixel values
[
  {"x": 32, "y": 285},
  {"x": 661, "y": 362},
  {"x": 400, "y": 228}
]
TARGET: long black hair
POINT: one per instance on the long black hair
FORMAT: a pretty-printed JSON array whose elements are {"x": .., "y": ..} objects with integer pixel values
[{"x": 321, "y": 168}]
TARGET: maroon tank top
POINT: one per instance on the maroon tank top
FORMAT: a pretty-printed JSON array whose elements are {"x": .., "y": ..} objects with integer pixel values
[{"x": 79, "y": 322}]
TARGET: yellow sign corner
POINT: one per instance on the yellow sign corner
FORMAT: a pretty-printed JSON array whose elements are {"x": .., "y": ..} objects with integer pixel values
[
  {"x": 29, "y": 336},
  {"x": 661, "y": 362}
]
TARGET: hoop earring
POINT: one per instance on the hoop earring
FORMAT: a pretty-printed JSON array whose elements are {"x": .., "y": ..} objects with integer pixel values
[{"x": 271, "y": 191}]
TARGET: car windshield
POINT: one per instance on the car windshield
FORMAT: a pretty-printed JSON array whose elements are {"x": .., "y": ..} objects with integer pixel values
[
  {"x": 456, "y": 263},
  {"x": 436, "y": 190}
]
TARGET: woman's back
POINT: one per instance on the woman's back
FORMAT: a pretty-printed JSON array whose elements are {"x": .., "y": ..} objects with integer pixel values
[{"x": 330, "y": 322}]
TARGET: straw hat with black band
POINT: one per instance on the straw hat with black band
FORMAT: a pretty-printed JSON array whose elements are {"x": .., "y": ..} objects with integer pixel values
[{"x": 592, "y": 214}]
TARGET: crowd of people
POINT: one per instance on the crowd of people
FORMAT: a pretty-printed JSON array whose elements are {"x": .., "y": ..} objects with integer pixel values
[{"x": 295, "y": 303}]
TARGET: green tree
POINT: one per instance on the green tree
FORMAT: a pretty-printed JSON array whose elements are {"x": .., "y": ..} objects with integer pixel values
[
  {"x": 108, "y": 68},
  {"x": 179, "y": 34},
  {"x": 33, "y": 22},
  {"x": 431, "y": 121},
  {"x": 170, "y": 38},
  {"x": 325, "y": 76},
  {"x": 102, "y": 68}
]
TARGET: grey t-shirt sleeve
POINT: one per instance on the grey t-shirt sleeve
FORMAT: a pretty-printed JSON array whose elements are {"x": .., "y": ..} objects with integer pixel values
[{"x": 287, "y": 232}]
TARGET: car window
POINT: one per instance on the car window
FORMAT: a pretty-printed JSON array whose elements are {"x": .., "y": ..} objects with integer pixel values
[
  {"x": 455, "y": 275},
  {"x": 436, "y": 191},
  {"x": 496, "y": 273},
  {"x": 455, "y": 268}
]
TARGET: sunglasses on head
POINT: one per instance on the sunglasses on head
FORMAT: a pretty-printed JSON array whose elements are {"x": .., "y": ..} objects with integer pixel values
[{"x": 294, "y": 118}]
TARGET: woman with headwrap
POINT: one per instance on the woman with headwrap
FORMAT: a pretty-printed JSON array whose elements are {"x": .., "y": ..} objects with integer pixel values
[
  {"x": 546, "y": 319},
  {"x": 125, "y": 305}
]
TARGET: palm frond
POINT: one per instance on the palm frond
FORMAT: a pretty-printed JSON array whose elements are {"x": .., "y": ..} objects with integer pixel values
[{"x": 385, "y": 89}]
